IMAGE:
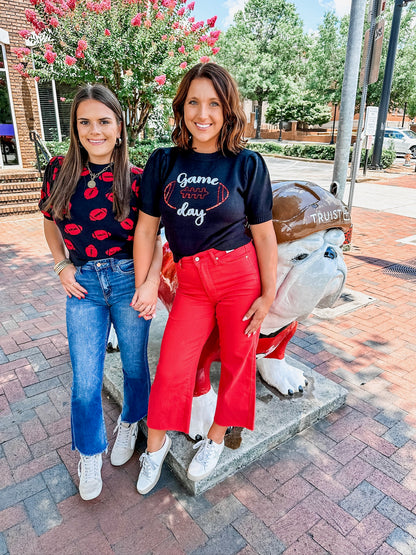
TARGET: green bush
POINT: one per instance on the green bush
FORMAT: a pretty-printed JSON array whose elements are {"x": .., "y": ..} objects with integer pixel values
[
  {"x": 314, "y": 151},
  {"x": 139, "y": 153}
]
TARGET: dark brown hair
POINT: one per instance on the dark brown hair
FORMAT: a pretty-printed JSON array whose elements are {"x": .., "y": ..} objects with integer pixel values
[
  {"x": 230, "y": 140},
  {"x": 77, "y": 156}
]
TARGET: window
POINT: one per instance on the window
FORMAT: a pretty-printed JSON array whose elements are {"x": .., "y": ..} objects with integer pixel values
[{"x": 8, "y": 146}]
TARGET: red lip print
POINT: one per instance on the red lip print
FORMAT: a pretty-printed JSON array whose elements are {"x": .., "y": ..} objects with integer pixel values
[
  {"x": 91, "y": 251},
  {"x": 73, "y": 229},
  {"x": 136, "y": 170},
  {"x": 98, "y": 214},
  {"x": 85, "y": 172},
  {"x": 110, "y": 196},
  {"x": 101, "y": 234}
]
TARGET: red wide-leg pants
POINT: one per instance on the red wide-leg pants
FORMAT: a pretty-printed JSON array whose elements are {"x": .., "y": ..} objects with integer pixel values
[{"x": 213, "y": 286}]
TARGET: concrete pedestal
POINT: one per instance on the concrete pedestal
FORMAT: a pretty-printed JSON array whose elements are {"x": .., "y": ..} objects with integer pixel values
[{"x": 277, "y": 418}]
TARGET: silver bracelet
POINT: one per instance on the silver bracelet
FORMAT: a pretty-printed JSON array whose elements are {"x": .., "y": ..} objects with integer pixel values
[{"x": 59, "y": 266}]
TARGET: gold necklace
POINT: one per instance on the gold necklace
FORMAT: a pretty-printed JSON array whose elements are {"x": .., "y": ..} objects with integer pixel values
[{"x": 91, "y": 183}]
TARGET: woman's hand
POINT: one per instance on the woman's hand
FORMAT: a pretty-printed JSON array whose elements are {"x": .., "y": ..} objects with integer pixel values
[
  {"x": 145, "y": 298},
  {"x": 257, "y": 313},
  {"x": 70, "y": 284}
]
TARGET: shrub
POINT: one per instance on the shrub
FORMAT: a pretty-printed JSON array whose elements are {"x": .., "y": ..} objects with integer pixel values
[{"x": 314, "y": 151}]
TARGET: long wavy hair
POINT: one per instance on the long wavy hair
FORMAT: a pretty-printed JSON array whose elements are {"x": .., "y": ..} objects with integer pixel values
[
  {"x": 230, "y": 140},
  {"x": 76, "y": 158}
]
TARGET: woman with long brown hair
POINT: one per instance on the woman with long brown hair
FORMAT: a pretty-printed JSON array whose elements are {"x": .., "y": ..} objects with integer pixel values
[
  {"x": 207, "y": 189},
  {"x": 90, "y": 203}
]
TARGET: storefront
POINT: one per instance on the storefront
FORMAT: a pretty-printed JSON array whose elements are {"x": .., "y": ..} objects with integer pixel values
[{"x": 9, "y": 148}]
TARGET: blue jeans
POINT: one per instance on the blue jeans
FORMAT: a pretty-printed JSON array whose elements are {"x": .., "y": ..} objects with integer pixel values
[{"x": 110, "y": 286}]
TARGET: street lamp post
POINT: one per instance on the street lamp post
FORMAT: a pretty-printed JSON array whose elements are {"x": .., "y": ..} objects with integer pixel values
[
  {"x": 280, "y": 126},
  {"x": 331, "y": 142}
]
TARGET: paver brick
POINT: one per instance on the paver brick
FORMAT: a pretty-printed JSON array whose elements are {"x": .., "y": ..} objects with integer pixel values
[
  {"x": 42, "y": 511},
  {"x": 258, "y": 535},
  {"x": 186, "y": 531},
  {"x": 324, "y": 483},
  {"x": 361, "y": 501},
  {"x": 331, "y": 540},
  {"x": 59, "y": 482},
  {"x": 295, "y": 523},
  {"x": 227, "y": 542},
  {"x": 222, "y": 514},
  {"x": 398, "y": 514},
  {"x": 371, "y": 532},
  {"x": 403, "y": 542}
]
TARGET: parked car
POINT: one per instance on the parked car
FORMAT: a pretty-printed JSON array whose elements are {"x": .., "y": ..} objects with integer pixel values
[{"x": 402, "y": 140}]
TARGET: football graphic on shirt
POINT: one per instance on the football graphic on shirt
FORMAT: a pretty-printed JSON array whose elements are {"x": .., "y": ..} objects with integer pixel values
[
  {"x": 205, "y": 193},
  {"x": 101, "y": 234},
  {"x": 127, "y": 224},
  {"x": 113, "y": 250},
  {"x": 73, "y": 229},
  {"x": 69, "y": 245},
  {"x": 90, "y": 193},
  {"x": 98, "y": 214},
  {"x": 91, "y": 251}
]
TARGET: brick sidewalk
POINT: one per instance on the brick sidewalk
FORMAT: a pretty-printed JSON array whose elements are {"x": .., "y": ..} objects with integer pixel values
[{"x": 345, "y": 486}]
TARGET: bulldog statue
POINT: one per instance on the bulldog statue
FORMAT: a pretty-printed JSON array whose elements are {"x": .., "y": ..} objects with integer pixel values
[{"x": 309, "y": 223}]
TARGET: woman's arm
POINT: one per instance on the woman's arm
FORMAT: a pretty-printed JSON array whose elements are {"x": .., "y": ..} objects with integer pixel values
[
  {"x": 56, "y": 245},
  {"x": 266, "y": 249},
  {"x": 147, "y": 254}
]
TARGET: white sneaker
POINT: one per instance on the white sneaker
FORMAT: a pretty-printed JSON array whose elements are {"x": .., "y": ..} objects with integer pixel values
[
  {"x": 89, "y": 472},
  {"x": 205, "y": 460},
  {"x": 152, "y": 467},
  {"x": 123, "y": 447}
]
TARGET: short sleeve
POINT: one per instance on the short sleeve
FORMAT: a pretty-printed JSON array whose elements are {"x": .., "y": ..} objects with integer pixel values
[
  {"x": 151, "y": 186},
  {"x": 258, "y": 194},
  {"x": 51, "y": 173}
]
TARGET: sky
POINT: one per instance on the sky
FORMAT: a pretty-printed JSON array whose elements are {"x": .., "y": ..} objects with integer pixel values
[{"x": 310, "y": 11}]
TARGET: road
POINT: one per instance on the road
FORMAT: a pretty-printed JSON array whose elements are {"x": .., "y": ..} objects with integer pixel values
[{"x": 367, "y": 194}]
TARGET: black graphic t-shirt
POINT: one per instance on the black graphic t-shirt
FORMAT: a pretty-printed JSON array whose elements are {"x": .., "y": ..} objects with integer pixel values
[
  {"x": 206, "y": 200},
  {"x": 93, "y": 233}
]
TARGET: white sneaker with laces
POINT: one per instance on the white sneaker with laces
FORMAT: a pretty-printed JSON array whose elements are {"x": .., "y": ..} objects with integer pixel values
[
  {"x": 123, "y": 447},
  {"x": 89, "y": 472},
  {"x": 205, "y": 460},
  {"x": 152, "y": 467}
]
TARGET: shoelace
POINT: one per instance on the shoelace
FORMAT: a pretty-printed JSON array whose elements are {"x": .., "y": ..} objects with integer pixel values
[
  {"x": 124, "y": 436},
  {"x": 206, "y": 452},
  {"x": 148, "y": 466},
  {"x": 90, "y": 467}
]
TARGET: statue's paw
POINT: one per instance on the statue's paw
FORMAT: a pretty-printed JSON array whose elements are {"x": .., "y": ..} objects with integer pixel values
[
  {"x": 202, "y": 416},
  {"x": 287, "y": 379}
]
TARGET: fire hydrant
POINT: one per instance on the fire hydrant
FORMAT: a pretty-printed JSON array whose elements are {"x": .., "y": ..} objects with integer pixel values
[{"x": 407, "y": 158}]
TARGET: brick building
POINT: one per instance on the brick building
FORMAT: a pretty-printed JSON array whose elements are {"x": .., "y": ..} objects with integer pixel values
[{"x": 24, "y": 104}]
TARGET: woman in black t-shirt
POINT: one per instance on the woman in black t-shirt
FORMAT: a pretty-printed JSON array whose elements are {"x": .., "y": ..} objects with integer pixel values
[
  {"x": 89, "y": 200},
  {"x": 206, "y": 189}
]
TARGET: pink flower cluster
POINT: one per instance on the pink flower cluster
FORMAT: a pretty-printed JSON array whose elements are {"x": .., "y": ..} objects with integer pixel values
[
  {"x": 70, "y": 61},
  {"x": 160, "y": 79},
  {"x": 21, "y": 52},
  {"x": 20, "y": 68},
  {"x": 99, "y": 7}
]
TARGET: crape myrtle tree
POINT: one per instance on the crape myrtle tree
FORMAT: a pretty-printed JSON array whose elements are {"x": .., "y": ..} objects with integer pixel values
[
  {"x": 265, "y": 51},
  {"x": 138, "y": 48}
]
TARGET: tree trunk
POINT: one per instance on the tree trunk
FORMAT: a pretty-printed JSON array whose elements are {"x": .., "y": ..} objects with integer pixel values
[
  {"x": 259, "y": 116},
  {"x": 137, "y": 120}
]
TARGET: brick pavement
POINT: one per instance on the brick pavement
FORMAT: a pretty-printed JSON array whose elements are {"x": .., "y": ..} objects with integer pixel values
[{"x": 345, "y": 486}]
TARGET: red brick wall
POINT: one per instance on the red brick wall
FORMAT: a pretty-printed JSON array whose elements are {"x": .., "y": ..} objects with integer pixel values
[{"x": 24, "y": 96}]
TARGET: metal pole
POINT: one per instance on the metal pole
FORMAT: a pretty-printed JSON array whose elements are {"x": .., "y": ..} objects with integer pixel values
[
  {"x": 280, "y": 126},
  {"x": 356, "y": 157},
  {"x": 404, "y": 113},
  {"x": 388, "y": 78},
  {"x": 348, "y": 94},
  {"x": 331, "y": 142}
]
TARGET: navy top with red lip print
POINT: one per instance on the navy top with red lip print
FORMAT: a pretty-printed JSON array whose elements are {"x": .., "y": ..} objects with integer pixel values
[
  {"x": 93, "y": 233},
  {"x": 206, "y": 200}
]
